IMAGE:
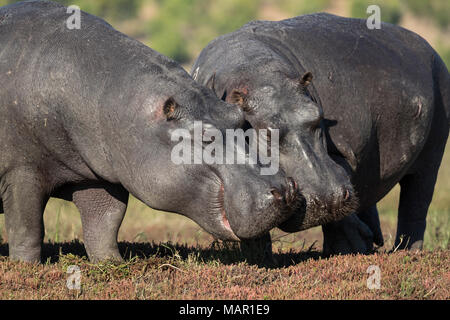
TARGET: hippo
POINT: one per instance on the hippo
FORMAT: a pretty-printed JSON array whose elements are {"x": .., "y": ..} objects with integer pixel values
[
  {"x": 353, "y": 105},
  {"x": 87, "y": 115}
]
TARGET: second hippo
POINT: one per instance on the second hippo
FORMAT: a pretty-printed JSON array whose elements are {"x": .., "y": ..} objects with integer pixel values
[{"x": 354, "y": 106}]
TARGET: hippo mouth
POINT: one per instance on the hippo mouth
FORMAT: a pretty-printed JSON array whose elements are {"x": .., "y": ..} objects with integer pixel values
[
  {"x": 224, "y": 219},
  {"x": 316, "y": 212}
]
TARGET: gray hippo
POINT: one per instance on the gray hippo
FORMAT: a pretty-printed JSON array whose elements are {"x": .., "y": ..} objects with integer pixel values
[
  {"x": 87, "y": 114},
  {"x": 376, "y": 114}
]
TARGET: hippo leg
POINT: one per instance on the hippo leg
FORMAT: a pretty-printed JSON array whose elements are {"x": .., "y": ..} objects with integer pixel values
[
  {"x": 258, "y": 251},
  {"x": 348, "y": 236},
  {"x": 415, "y": 197},
  {"x": 24, "y": 201},
  {"x": 417, "y": 187},
  {"x": 1, "y": 206},
  {"x": 102, "y": 208},
  {"x": 372, "y": 219}
]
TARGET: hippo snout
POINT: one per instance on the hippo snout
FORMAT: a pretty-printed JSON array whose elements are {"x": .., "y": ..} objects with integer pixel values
[
  {"x": 337, "y": 200},
  {"x": 341, "y": 197},
  {"x": 317, "y": 210},
  {"x": 262, "y": 207},
  {"x": 289, "y": 196}
]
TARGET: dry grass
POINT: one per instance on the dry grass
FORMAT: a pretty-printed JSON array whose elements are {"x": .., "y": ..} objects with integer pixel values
[{"x": 180, "y": 272}]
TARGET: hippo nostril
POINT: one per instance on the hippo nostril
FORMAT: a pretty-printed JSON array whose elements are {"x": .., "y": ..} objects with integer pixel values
[
  {"x": 339, "y": 199},
  {"x": 276, "y": 194},
  {"x": 292, "y": 184},
  {"x": 346, "y": 194}
]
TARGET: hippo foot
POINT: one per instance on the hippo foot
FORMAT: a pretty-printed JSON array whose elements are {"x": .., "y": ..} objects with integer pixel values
[
  {"x": 347, "y": 236},
  {"x": 111, "y": 257},
  {"x": 29, "y": 255},
  {"x": 405, "y": 243}
]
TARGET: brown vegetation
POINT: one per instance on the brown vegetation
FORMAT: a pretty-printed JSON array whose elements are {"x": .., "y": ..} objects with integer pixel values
[{"x": 180, "y": 272}]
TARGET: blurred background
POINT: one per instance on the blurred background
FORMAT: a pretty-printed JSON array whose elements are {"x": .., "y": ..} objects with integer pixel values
[{"x": 180, "y": 29}]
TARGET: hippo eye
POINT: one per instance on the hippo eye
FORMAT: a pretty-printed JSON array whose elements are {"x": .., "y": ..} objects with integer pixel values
[{"x": 171, "y": 109}]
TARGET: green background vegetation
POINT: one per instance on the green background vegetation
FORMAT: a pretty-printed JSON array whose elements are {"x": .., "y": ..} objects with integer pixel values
[{"x": 181, "y": 28}]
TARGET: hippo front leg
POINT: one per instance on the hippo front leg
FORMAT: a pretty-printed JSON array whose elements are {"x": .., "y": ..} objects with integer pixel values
[
  {"x": 258, "y": 251},
  {"x": 353, "y": 234},
  {"x": 102, "y": 208},
  {"x": 24, "y": 200}
]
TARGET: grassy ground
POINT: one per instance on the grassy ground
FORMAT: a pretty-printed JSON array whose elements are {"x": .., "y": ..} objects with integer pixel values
[
  {"x": 180, "y": 272},
  {"x": 170, "y": 257}
]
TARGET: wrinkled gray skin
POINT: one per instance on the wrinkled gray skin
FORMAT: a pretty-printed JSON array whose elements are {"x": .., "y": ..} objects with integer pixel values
[
  {"x": 375, "y": 111},
  {"x": 86, "y": 115}
]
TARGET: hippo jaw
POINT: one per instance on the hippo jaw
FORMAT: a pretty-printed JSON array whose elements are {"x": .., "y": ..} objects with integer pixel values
[
  {"x": 228, "y": 231},
  {"x": 267, "y": 206},
  {"x": 328, "y": 191},
  {"x": 241, "y": 204}
]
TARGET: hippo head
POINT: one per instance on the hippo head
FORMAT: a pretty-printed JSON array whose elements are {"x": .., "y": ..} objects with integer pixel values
[
  {"x": 230, "y": 201},
  {"x": 283, "y": 102}
]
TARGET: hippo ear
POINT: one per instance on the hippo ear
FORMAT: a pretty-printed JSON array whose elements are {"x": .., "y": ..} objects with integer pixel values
[
  {"x": 171, "y": 109},
  {"x": 306, "y": 79}
]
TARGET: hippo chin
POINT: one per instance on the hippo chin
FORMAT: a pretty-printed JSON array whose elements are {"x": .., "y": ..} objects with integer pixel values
[
  {"x": 87, "y": 116},
  {"x": 376, "y": 114}
]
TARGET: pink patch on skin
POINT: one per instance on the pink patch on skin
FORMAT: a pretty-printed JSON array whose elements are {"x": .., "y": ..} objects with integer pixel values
[
  {"x": 225, "y": 221},
  {"x": 244, "y": 90},
  {"x": 157, "y": 108}
]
